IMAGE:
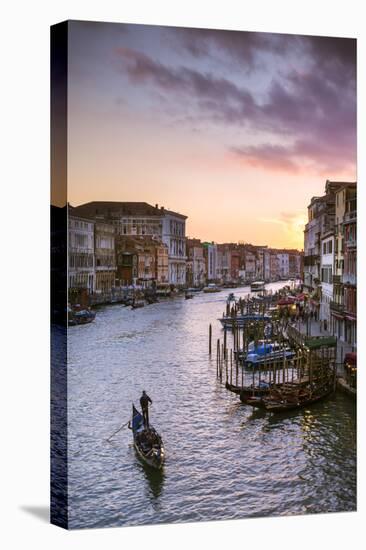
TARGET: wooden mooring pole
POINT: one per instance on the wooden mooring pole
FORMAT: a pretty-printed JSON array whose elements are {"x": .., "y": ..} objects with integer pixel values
[{"x": 210, "y": 339}]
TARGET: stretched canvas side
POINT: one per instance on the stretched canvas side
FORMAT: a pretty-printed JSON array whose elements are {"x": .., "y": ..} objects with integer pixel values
[{"x": 59, "y": 470}]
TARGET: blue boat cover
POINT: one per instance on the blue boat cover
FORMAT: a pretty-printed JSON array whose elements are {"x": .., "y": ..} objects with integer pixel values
[{"x": 137, "y": 419}]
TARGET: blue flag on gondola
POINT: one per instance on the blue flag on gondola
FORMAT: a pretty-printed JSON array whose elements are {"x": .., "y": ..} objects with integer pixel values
[{"x": 137, "y": 419}]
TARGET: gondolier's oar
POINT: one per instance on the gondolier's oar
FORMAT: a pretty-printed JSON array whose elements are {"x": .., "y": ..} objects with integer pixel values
[{"x": 119, "y": 429}]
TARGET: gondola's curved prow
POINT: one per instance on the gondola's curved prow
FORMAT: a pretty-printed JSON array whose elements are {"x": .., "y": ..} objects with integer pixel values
[{"x": 147, "y": 442}]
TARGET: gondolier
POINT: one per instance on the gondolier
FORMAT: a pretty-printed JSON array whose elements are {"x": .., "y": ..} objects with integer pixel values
[{"x": 144, "y": 402}]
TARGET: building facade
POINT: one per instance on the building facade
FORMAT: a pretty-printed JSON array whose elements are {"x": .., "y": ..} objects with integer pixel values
[
  {"x": 326, "y": 275},
  {"x": 105, "y": 257},
  {"x": 349, "y": 278},
  {"x": 196, "y": 275},
  {"x": 81, "y": 258},
  {"x": 174, "y": 237},
  {"x": 210, "y": 254},
  {"x": 143, "y": 221}
]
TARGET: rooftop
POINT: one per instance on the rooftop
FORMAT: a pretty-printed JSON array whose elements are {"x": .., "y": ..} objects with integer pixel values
[{"x": 111, "y": 208}]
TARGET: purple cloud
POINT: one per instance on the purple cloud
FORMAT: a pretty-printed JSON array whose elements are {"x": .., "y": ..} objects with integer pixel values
[{"x": 313, "y": 106}]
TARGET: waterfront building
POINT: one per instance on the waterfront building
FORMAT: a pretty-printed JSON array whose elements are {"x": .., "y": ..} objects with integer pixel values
[
  {"x": 283, "y": 264},
  {"x": 343, "y": 196},
  {"x": 294, "y": 263},
  {"x": 223, "y": 263},
  {"x": 141, "y": 261},
  {"x": 105, "y": 260},
  {"x": 140, "y": 219},
  {"x": 349, "y": 277},
  {"x": 196, "y": 264},
  {"x": 274, "y": 266},
  {"x": 326, "y": 275},
  {"x": 264, "y": 272},
  {"x": 174, "y": 236},
  {"x": 210, "y": 254},
  {"x": 127, "y": 251},
  {"x": 321, "y": 220},
  {"x": 130, "y": 219},
  {"x": 250, "y": 265},
  {"x": 312, "y": 244},
  {"x": 234, "y": 265},
  {"x": 162, "y": 263},
  {"x": 81, "y": 259}
]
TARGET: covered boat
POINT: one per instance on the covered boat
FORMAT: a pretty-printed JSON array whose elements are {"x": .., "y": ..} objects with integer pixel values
[
  {"x": 240, "y": 320},
  {"x": 267, "y": 353},
  {"x": 257, "y": 286},
  {"x": 80, "y": 316},
  {"x": 211, "y": 288},
  {"x": 147, "y": 442}
]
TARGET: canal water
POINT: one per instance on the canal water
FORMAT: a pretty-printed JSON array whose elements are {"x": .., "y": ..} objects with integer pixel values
[{"x": 224, "y": 460}]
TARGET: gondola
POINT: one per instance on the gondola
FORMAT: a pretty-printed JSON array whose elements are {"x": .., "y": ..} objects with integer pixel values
[
  {"x": 137, "y": 303},
  {"x": 147, "y": 442},
  {"x": 278, "y": 402},
  {"x": 302, "y": 401}
]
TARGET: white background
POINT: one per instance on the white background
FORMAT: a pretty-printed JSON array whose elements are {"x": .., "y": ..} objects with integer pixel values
[{"x": 25, "y": 271}]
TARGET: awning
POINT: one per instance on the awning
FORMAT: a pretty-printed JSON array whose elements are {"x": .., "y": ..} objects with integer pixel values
[
  {"x": 337, "y": 315},
  {"x": 285, "y": 302},
  {"x": 351, "y": 358},
  {"x": 351, "y": 317}
]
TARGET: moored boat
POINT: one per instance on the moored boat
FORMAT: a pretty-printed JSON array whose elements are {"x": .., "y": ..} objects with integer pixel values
[
  {"x": 240, "y": 320},
  {"x": 147, "y": 442},
  {"x": 267, "y": 354},
  {"x": 211, "y": 288},
  {"x": 80, "y": 316},
  {"x": 257, "y": 286},
  {"x": 137, "y": 303},
  {"x": 290, "y": 396}
]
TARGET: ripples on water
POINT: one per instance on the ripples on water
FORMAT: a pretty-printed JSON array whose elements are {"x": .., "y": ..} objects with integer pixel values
[{"x": 224, "y": 459}]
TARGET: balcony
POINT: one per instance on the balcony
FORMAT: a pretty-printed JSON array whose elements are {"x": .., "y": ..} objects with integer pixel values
[
  {"x": 351, "y": 243},
  {"x": 335, "y": 306},
  {"x": 337, "y": 279},
  {"x": 350, "y": 216},
  {"x": 312, "y": 259},
  {"x": 349, "y": 278}
]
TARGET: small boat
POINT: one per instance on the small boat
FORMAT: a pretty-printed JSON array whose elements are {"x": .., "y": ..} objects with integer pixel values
[
  {"x": 147, "y": 442},
  {"x": 211, "y": 288},
  {"x": 137, "y": 303},
  {"x": 286, "y": 398},
  {"x": 194, "y": 289},
  {"x": 257, "y": 286},
  {"x": 80, "y": 316},
  {"x": 151, "y": 299},
  {"x": 295, "y": 401},
  {"x": 266, "y": 354},
  {"x": 188, "y": 295},
  {"x": 163, "y": 290},
  {"x": 228, "y": 322}
]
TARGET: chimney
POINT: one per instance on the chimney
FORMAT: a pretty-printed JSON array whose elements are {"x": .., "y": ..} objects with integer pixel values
[{"x": 156, "y": 206}]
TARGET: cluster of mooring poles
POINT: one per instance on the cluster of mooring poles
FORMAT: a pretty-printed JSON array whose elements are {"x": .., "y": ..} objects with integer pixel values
[{"x": 300, "y": 365}]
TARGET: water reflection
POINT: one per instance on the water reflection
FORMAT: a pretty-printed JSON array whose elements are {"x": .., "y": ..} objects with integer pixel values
[
  {"x": 224, "y": 459},
  {"x": 155, "y": 481}
]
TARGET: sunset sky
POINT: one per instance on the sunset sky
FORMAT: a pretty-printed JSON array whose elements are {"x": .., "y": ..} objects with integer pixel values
[{"x": 236, "y": 130}]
